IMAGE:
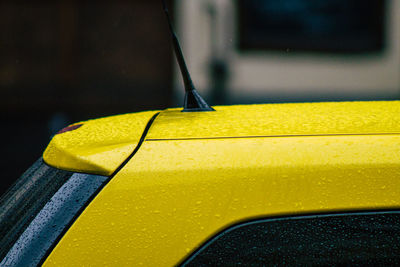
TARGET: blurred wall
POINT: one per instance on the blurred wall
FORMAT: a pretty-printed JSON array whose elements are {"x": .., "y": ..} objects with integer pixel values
[
  {"x": 67, "y": 61},
  {"x": 210, "y": 35}
]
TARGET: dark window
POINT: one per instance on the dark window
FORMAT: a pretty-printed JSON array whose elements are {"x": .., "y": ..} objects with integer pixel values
[
  {"x": 342, "y": 26},
  {"x": 25, "y": 199},
  {"x": 38, "y": 209},
  {"x": 369, "y": 238}
]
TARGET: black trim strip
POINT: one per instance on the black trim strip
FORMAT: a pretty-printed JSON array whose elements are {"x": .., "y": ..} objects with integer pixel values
[
  {"x": 301, "y": 216},
  {"x": 90, "y": 199},
  {"x": 266, "y": 136}
]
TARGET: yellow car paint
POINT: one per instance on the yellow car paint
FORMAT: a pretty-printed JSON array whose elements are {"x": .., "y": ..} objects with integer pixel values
[
  {"x": 280, "y": 120},
  {"x": 175, "y": 194},
  {"x": 98, "y": 146},
  {"x": 101, "y": 145}
]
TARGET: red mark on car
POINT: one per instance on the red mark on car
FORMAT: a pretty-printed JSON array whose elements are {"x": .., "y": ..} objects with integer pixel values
[{"x": 69, "y": 128}]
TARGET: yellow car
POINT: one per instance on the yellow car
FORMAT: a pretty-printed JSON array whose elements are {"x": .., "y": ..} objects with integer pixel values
[
  {"x": 255, "y": 185},
  {"x": 315, "y": 183}
]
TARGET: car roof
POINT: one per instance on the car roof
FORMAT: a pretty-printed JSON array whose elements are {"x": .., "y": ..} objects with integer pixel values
[
  {"x": 329, "y": 118},
  {"x": 100, "y": 146}
]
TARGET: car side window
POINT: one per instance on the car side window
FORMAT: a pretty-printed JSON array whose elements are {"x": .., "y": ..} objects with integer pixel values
[{"x": 365, "y": 238}]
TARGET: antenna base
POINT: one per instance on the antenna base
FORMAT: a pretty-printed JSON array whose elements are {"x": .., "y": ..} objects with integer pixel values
[{"x": 194, "y": 102}]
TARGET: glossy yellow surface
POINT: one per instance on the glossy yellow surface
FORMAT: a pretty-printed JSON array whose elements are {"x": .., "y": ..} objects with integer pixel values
[
  {"x": 175, "y": 194},
  {"x": 98, "y": 146},
  {"x": 280, "y": 119}
]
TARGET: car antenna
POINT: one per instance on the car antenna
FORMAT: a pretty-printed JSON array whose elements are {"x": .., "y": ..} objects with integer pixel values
[{"x": 193, "y": 100}]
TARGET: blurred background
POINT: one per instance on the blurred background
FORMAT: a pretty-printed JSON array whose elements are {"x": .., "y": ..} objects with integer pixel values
[{"x": 68, "y": 61}]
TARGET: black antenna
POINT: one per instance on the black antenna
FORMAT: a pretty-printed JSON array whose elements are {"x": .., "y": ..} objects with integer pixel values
[{"x": 193, "y": 101}]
